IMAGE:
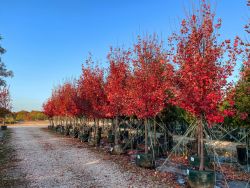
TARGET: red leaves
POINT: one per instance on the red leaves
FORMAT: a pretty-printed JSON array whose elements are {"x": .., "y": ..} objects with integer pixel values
[
  {"x": 141, "y": 81},
  {"x": 229, "y": 112},
  {"x": 243, "y": 115},
  {"x": 183, "y": 160},
  {"x": 91, "y": 91},
  {"x": 202, "y": 76},
  {"x": 117, "y": 80},
  {"x": 218, "y": 25},
  {"x": 232, "y": 173},
  {"x": 150, "y": 78},
  {"x": 49, "y": 108},
  {"x": 63, "y": 102},
  {"x": 5, "y": 100}
]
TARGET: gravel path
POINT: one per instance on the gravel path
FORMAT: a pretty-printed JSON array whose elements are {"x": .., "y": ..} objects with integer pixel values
[{"x": 52, "y": 161}]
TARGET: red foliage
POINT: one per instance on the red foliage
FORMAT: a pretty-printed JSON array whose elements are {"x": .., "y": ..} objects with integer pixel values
[
  {"x": 5, "y": 100},
  {"x": 147, "y": 85},
  {"x": 91, "y": 90},
  {"x": 69, "y": 100},
  {"x": 116, "y": 84},
  {"x": 64, "y": 102},
  {"x": 199, "y": 84},
  {"x": 204, "y": 64},
  {"x": 49, "y": 108}
]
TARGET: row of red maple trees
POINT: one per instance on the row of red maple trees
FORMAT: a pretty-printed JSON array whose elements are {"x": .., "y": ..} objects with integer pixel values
[{"x": 191, "y": 73}]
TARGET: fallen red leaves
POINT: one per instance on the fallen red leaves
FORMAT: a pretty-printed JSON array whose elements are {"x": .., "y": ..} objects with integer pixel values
[
  {"x": 180, "y": 160},
  {"x": 232, "y": 173}
]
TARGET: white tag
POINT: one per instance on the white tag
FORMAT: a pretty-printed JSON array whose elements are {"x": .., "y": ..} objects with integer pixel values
[
  {"x": 138, "y": 157},
  {"x": 192, "y": 159},
  {"x": 187, "y": 172}
]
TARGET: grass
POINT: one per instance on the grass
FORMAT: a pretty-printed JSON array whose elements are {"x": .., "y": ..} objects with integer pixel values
[
  {"x": 9, "y": 176},
  {"x": 5, "y": 149}
]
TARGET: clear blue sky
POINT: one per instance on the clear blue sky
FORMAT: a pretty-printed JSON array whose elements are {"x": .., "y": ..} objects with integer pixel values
[{"x": 48, "y": 40}]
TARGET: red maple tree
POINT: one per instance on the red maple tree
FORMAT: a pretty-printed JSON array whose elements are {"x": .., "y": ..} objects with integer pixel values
[
  {"x": 150, "y": 80},
  {"x": 204, "y": 64},
  {"x": 117, "y": 79},
  {"x": 69, "y": 100},
  {"x": 49, "y": 109},
  {"x": 91, "y": 90},
  {"x": 5, "y": 102},
  {"x": 116, "y": 84}
]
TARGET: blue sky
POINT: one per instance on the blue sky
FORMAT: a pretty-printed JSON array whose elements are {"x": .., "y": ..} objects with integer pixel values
[{"x": 48, "y": 40}]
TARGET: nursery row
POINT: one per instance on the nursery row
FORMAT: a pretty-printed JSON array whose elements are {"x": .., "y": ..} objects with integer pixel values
[
  {"x": 181, "y": 161},
  {"x": 143, "y": 81}
]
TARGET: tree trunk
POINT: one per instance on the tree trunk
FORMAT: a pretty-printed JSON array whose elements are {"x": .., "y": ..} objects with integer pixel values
[
  {"x": 115, "y": 129},
  {"x": 154, "y": 132},
  {"x": 198, "y": 139},
  {"x": 165, "y": 135},
  {"x": 76, "y": 121},
  {"x": 94, "y": 128},
  {"x": 112, "y": 125},
  {"x": 103, "y": 120},
  {"x": 146, "y": 135},
  {"x": 201, "y": 145}
]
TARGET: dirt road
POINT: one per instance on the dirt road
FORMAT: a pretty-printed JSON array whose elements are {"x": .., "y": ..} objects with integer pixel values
[{"x": 49, "y": 160}]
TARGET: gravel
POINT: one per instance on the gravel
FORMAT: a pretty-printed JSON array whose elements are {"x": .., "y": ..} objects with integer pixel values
[{"x": 54, "y": 161}]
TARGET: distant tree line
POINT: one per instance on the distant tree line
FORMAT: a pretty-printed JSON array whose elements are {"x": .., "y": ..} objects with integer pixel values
[{"x": 25, "y": 116}]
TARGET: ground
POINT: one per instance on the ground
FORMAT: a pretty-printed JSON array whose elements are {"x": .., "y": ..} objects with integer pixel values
[{"x": 44, "y": 159}]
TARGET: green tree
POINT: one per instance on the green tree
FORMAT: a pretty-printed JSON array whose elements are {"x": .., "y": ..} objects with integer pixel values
[
  {"x": 242, "y": 98},
  {"x": 22, "y": 115},
  {"x": 3, "y": 70},
  {"x": 37, "y": 115}
]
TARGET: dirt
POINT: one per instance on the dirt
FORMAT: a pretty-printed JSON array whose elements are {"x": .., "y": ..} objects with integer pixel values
[
  {"x": 49, "y": 160},
  {"x": 30, "y": 123}
]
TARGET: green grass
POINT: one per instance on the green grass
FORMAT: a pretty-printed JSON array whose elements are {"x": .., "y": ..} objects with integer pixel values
[
  {"x": 5, "y": 149},
  {"x": 5, "y": 153},
  {"x": 7, "y": 162}
]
